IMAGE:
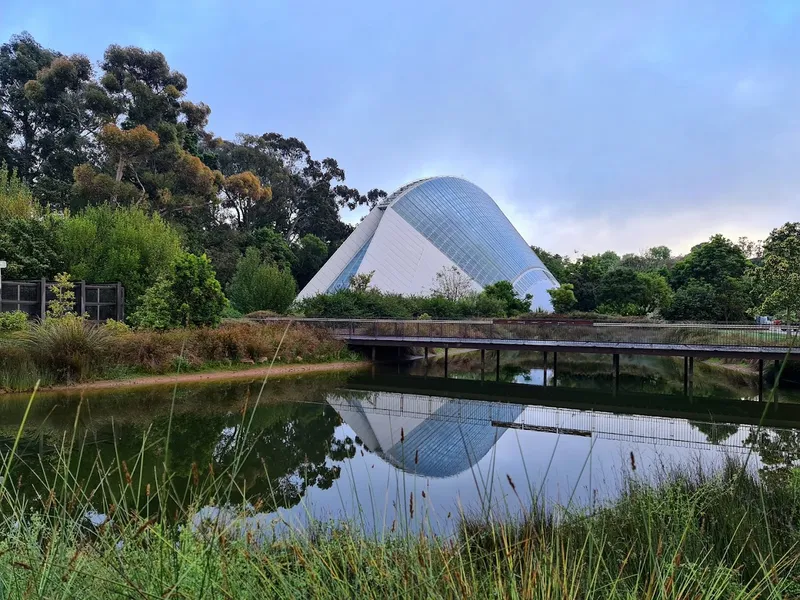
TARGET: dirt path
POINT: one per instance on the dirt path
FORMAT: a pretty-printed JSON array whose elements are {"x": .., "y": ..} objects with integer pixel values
[{"x": 257, "y": 373}]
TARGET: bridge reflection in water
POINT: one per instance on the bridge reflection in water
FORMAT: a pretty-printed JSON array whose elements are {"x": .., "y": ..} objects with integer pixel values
[
  {"x": 431, "y": 433},
  {"x": 429, "y": 449}
]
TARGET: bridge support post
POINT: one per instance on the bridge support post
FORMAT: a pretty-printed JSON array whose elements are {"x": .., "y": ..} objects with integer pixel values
[
  {"x": 685, "y": 375},
  {"x": 483, "y": 364},
  {"x": 616, "y": 373},
  {"x": 544, "y": 368},
  {"x": 555, "y": 369},
  {"x": 691, "y": 376},
  {"x": 426, "y": 356},
  {"x": 374, "y": 350},
  {"x": 446, "y": 353},
  {"x": 497, "y": 376},
  {"x": 760, "y": 379}
]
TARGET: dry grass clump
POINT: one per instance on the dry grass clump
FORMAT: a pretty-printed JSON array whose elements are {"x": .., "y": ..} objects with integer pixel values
[
  {"x": 157, "y": 352},
  {"x": 68, "y": 347}
]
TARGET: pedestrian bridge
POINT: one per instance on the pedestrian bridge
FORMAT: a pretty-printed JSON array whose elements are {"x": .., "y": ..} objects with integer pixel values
[
  {"x": 551, "y": 336},
  {"x": 765, "y": 342}
]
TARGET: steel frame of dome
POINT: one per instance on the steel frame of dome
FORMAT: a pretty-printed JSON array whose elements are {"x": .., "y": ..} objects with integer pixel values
[{"x": 429, "y": 225}]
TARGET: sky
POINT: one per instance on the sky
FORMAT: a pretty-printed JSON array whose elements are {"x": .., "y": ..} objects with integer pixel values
[{"x": 595, "y": 125}]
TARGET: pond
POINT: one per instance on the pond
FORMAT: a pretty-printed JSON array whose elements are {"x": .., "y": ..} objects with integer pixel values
[{"x": 401, "y": 446}]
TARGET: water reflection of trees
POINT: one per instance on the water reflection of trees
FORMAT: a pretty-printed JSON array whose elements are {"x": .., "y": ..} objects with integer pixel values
[
  {"x": 779, "y": 450},
  {"x": 715, "y": 433},
  {"x": 286, "y": 448}
]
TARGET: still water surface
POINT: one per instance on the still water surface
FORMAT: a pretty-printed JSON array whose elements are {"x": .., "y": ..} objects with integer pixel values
[{"x": 385, "y": 450}]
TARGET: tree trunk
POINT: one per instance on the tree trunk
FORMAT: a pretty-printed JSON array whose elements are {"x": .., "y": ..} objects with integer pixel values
[
  {"x": 120, "y": 169},
  {"x": 118, "y": 178}
]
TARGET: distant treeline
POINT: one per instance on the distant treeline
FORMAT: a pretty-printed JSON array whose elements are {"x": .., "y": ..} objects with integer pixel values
[{"x": 719, "y": 280}]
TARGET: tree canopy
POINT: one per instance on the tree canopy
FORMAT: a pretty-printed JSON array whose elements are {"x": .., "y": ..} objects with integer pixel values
[{"x": 77, "y": 136}]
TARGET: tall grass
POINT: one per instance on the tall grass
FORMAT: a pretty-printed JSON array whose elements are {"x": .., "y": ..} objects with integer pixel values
[
  {"x": 71, "y": 349},
  {"x": 134, "y": 532}
]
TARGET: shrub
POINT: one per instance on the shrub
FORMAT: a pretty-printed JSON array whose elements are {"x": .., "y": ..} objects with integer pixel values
[
  {"x": 13, "y": 321},
  {"x": 116, "y": 327},
  {"x": 504, "y": 291},
  {"x": 563, "y": 298},
  {"x": 31, "y": 247},
  {"x": 695, "y": 301},
  {"x": 231, "y": 312},
  {"x": 196, "y": 292},
  {"x": 155, "y": 309},
  {"x": 374, "y": 304},
  {"x": 258, "y": 285},
  {"x": 68, "y": 347},
  {"x": 16, "y": 199},
  {"x": 105, "y": 244},
  {"x": 191, "y": 297}
]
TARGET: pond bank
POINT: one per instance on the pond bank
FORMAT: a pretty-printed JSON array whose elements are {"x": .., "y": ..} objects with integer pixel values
[{"x": 207, "y": 376}]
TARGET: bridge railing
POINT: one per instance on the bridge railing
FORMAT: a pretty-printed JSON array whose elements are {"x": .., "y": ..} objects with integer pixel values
[{"x": 724, "y": 335}]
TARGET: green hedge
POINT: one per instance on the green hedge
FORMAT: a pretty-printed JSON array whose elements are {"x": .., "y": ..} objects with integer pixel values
[{"x": 374, "y": 304}]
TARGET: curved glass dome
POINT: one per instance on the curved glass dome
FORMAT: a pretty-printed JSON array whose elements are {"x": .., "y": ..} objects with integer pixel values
[
  {"x": 430, "y": 225},
  {"x": 427, "y": 436}
]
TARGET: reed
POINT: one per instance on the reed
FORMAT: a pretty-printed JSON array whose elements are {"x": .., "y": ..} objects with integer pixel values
[{"x": 127, "y": 530}]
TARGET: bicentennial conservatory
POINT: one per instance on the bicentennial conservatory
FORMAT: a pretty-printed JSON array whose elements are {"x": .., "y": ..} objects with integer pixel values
[{"x": 430, "y": 225}]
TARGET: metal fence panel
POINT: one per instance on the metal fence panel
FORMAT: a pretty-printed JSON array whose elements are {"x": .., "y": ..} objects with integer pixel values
[{"x": 100, "y": 302}]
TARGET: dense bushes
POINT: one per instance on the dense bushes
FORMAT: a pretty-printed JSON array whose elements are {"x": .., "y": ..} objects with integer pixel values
[
  {"x": 362, "y": 302},
  {"x": 189, "y": 296},
  {"x": 374, "y": 304},
  {"x": 105, "y": 244},
  {"x": 13, "y": 321},
  {"x": 258, "y": 285}
]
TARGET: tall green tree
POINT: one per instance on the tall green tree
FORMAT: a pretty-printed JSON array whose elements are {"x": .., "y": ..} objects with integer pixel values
[
  {"x": 307, "y": 194},
  {"x": 695, "y": 301},
  {"x": 622, "y": 286},
  {"x": 50, "y": 110},
  {"x": 310, "y": 254},
  {"x": 656, "y": 259},
  {"x": 156, "y": 148},
  {"x": 711, "y": 262},
  {"x": 586, "y": 276},
  {"x": 104, "y": 244},
  {"x": 778, "y": 279}
]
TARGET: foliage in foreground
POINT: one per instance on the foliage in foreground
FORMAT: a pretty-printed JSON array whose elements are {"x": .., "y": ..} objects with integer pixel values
[{"x": 697, "y": 536}]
